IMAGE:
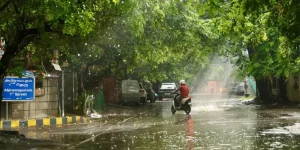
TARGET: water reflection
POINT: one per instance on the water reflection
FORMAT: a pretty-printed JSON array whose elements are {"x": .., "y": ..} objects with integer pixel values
[{"x": 190, "y": 132}]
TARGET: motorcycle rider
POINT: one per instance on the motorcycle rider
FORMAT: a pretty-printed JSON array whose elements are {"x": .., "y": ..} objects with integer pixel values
[{"x": 184, "y": 91}]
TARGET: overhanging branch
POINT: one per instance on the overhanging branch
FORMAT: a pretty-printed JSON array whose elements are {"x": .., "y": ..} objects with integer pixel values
[
  {"x": 5, "y": 5},
  {"x": 36, "y": 31}
]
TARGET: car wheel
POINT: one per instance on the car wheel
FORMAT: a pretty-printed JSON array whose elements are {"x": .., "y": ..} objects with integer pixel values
[
  {"x": 160, "y": 98},
  {"x": 152, "y": 99},
  {"x": 143, "y": 100}
]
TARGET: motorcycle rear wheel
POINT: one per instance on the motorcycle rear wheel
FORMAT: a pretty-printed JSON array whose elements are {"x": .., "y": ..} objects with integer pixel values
[
  {"x": 173, "y": 110},
  {"x": 187, "y": 109}
]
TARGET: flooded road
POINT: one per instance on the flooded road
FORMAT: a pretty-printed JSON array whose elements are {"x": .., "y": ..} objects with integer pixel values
[{"x": 214, "y": 123}]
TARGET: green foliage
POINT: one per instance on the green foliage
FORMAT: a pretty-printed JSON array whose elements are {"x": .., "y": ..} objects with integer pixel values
[
  {"x": 154, "y": 40},
  {"x": 48, "y": 25},
  {"x": 267, "y": 30},
  {"x": 146, "y": 39},
  {"x": 79, "y": 102},
  {"x": 174, "y": 42}
]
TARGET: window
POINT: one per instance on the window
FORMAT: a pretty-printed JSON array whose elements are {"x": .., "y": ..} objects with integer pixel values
[{"x": 168, "y": 86}]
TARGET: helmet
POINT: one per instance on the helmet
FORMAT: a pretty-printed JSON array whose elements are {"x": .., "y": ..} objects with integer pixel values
[{"x": 182, "y": 82}]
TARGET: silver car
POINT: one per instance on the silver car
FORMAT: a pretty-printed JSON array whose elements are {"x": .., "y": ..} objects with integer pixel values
[
  {"x": 130, "y": 91},
  {"x": 167, "y": 90}
]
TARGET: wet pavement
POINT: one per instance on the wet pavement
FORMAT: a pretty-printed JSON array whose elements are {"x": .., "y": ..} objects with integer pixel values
[{"x": 214, "y": 123}]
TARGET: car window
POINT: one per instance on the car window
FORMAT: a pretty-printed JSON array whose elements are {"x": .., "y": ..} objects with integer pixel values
[
  {"x": 130, "y": 84},
  {"x": 168, "y": 86}
]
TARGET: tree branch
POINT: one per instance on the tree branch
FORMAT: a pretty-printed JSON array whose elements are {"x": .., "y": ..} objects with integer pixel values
[
  {"x": 36, "y": 31},
  {"x": 5, "y": 5},
  {"x": 17, "y": 9},
  {"x": 21, "y": 39}
]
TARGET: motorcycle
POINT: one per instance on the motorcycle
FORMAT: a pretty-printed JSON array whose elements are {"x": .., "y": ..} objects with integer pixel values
[{"x": 185, "y": 105}]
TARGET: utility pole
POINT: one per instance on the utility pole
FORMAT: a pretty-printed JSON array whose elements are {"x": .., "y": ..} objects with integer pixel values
[{"x": 63, "y": 93}]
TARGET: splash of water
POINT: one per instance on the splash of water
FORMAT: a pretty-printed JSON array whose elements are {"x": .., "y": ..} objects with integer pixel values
[{"x": 209, "y": 86}]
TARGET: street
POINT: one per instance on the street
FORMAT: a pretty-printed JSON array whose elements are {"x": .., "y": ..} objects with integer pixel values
[{"x": 214, "y": 123}]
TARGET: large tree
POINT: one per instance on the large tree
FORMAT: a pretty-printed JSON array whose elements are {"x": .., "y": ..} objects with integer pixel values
[
  {"x": 155, "y": 40},
  {"x": 269, "y": 32},
  {"x": 40, "y": 26}
]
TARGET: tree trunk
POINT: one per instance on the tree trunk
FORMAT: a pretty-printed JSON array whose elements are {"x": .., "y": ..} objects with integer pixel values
[
  {"x": 263, "y": 84},
  {"x": 264, "y": 88},
  {"x": 21, "y": 39},
  {"x": 11, "y": 51},
  {"x": 283, "y": 99}
]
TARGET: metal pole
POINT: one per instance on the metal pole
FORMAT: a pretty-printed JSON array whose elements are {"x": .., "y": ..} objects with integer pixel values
[
  {"x": 28, "y": 110},
  {"x": 6, "y": 111},
  {"x": 73, "y": 91},
  {"x": 63, "y": 94}
]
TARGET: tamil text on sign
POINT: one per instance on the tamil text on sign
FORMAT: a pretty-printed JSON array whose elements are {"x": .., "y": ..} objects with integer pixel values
[{"x": 18, "y": 89}]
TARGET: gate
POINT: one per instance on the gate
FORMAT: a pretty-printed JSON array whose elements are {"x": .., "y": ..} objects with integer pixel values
[{"x": 111, "y": 90}]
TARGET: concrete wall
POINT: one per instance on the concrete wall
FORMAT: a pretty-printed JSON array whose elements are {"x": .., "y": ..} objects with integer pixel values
[
  {"x": 43, "y": 106},
  {"x": 293, "y": 92}
]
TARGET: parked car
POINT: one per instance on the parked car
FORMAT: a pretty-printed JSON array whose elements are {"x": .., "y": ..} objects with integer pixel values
[
  {"x": 143, "y": 94},
  {"x": 166, "y": 90},
  {"x": 236, "y": 88},
  {"x": 130, "y": 91}
]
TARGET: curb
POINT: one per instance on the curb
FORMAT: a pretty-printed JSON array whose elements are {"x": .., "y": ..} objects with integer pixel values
[{"x": 6, "y": 124}]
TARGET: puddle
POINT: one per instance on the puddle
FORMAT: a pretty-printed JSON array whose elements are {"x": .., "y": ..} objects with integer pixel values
[
  {"x": 287, "y": 130},
  {"x": 206, "y": 108},
  {"x": 276, "y": 131}
]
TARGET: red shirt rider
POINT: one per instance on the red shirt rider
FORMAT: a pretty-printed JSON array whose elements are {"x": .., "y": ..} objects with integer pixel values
[{"x": 184, "y": 90}]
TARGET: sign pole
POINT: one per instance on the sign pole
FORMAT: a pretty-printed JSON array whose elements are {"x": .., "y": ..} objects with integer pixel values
[
  {"x": 6, "y": 111},
  {"x": 73, "y": 92},
  {"x": 19, "y": 89},
  {"x": 28, "y": 110}
]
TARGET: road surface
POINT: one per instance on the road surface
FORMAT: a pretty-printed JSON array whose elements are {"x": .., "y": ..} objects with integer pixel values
[{"x": 214, "y": 123}]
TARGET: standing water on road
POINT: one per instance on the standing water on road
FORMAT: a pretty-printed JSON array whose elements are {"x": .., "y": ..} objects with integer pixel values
[{"x": 229, "y": 125}]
